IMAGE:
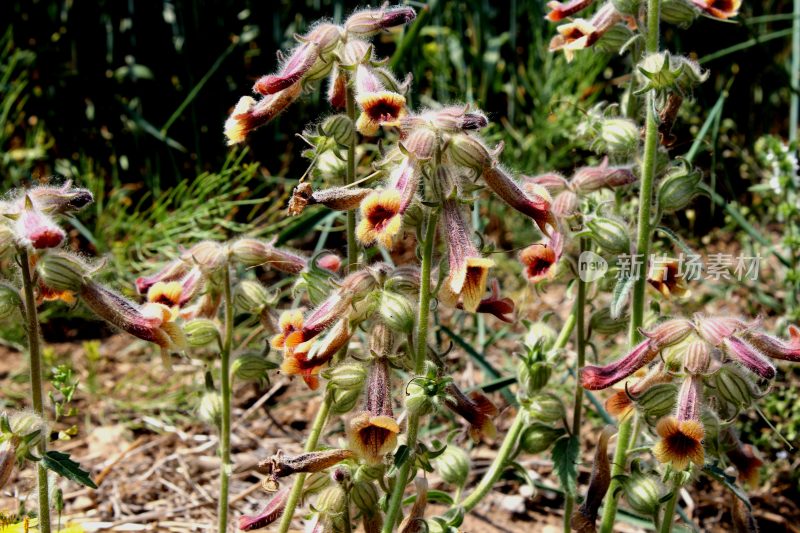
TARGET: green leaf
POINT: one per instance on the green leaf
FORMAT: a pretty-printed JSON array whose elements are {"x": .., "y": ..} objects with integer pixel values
[
  {"x": 565, "y": 457},
  {"x": 620, "y": 295},
  {"x": 401, "y": 456},
  {"x": 61, "y": 464},
  {"x": 729, "y": 482}
]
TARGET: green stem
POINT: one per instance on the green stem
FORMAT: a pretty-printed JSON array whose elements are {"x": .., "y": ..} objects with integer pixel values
[
  {"x": 311, "y": 445},
  {"x": 498, "y": 465},
  {"x": 225, "y": 425},
  {"x": 421, "y": 345},
  {"x": 352, "y": 244},
  {"x": 37, "y": 395},
  {"x": 794, "y": 107},
  {"x": 580, "y": 338},
  {"x": 669, "y": 512},
  {"x": 642, "y": 250}
]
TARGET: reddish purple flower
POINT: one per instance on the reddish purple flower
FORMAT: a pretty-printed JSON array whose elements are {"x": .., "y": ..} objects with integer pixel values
[
  {"x": 35, "y": 229},
  {"x": 601, "y": 377},
  {"x": 534, "y": 205},
  {"x": 748, "y": 357},
  {"x": 477, "y": 409},
  {"x": 502, "y": 308},
  {"x": 560, "y": 11},
  {"x": 273, "y": 510},
  {"x": 172, "y": 271},
  {"x": 774, "y": 347},
  {"x": 368, "y": 22}
]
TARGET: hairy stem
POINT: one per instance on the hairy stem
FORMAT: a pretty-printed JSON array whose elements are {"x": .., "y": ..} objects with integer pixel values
[
  {"x": 580, "y": 342},
  {"x": 37, "y": 394},
  {"x": 669, "y": 512},
  {"x": 421, "y": 345},
  {"x": 350, "y": 177},
  {"x": 225, "y": 423},
  {"x": 311, "y": 445},
  {"x": 644, "y": 232}
]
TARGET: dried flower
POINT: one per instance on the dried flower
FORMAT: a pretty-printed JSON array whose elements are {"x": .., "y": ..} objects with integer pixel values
[
  {"x": 273, "y": 510},
  {"x": 477, "y": 409},
  {"x": 373, "y": 432},
  {"x": 468, "y": 269},
  {"x": 280, "y": 465},
  {"x": 414, "y": 522},
  {"x": 501, "y": 308},
  {"x": 62, "y": 199},
  {"x": 583, "y": 520}
]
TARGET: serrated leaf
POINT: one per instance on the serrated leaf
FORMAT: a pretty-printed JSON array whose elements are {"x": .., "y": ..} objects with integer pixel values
[
  {"x": 620, "y": 295},
  {"x": 565, "y": 457},
  {"x": 61, "y": 464}
]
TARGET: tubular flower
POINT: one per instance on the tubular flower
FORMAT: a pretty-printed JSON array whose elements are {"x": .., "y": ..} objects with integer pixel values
[
  {"x": 721, "y": 9},
  {"x": 368, "y": 22},
  {"x": 501, "y": 308},
  {"x": 682, "y": 435},
  {"x": 271, "y": 512},
  {"x": 172, "y": 271},
  {"x": 254, "y": 252},
  {"x": 373, "y": 432},
  {"x": 535, "y": 205},
  {"x": 468, "y": 270},
  {"x": 290, "y": 325},
  {"x": 381, "y": 219},
  {"x": 743, "y": 457},
  {"x": 539, "y": 260},
  {"x": 167, "y": 293},
  {"x": 309, "y": 357},
  {"x": 151, "y": 322},
  {"x": 280, "y": 465},
  {"x": 590, "y": 179},
  {"x": 583, "y": 520},
  {"x": 476, "y": 409},
  {"x": 776, "y": 348},
  {"x": 665, "y": 277},
  {"x": 455, "y": 118},
  {"x": 250, "y": 114},
  {"x": 581, "y": 33},
  {"x": 415, "y": 521},
  {"x": 35, "y": 229},
  {"x": 560, "y": 11},
  {"x": 749, "y": 357},
  {"x": 61, "y": 199},
  {"x": 379, "y": 106}
]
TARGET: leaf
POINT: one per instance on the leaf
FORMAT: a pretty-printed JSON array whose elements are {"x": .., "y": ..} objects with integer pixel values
[
  {"x": 565, "y": 457},
  {"x": 729, "y": 481},
  {"x": 620, "y": 295},
  {"x": 671, "y": 235},
  {"x": 401, "y": 456},
  {"x": 61, "y": 464}
]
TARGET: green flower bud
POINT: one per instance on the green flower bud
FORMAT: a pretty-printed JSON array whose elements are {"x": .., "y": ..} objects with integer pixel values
[
  {"x": 340, "y": 128},
  {"x": 678, "y": 12},
  {"x": 201, "y": 332},
  {"x": 533, "y": 377},
  {"x": 6, "y": 240},
  {"x": 602, "y": 323},
  {"x": 366, "y": 473},
  {"x": 251, "y": 367},
  {"x": 62, "y": 271},
  {"x": 540, "y": 333},
  {"x": 711, "y": 426},
  {"x": 467, "y": 151},
  {"x": 332, "y": 500},
  {"x": 678, "y": 188},
  {"x": 419, "y": 399},
  {"x": 344, "y": 400},
  {"x": 397, "y": 311},
  {"x": 9, "y": 300},
  {"x": 611, "y": 235},
  {"x": 615, "y": 37},
  {"x": 546, "y": 408},
  {"x": 316, "y": 482},
  {"x": 347, "y": 376},
  {"x": 210, "y": 408},
  {"x": 620, "y": 137},
  {"x": 658, "y": 400},
  {"x": 733, "y": 387},
  {"x": 627, "y": 7},
  {"x": 538, "y": 437},
  {"x": 453, "y": 465},
  {"x": 643, "y": 493},
  {"x": 251, "y": 297},
  {"x": 318, "y": 71},
  {"x": 365, "y": 496}
]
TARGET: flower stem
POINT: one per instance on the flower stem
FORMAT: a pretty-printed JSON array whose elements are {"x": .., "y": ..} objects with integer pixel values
[
  {"x": 37, "y": 396},
  {"x": 669, "y": 512},
  {"x": 350, "y": 177},
  {"x": 311, "y": 445},
  {"x": 644, "y": 232},
  {"x": 421, "y": 345},
  {"x": 580, "y": 342},
  {"x": 225, "y": 425}
]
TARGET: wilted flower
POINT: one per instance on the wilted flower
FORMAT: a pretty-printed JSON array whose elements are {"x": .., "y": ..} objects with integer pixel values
[
  {"x": 583, "y": 520},
  {"x": 721, "y": 9},
  {"x": 60, "y": 199},
  {"x": 743, "y": 457},
  {"x": 468, "y": 269},
  {"x": 589, "y": 179},
  {"x": 336, "y": 198},
  {"x": 373, "y": 432},
  {"x": 414, "y": 522},
  {"x": 539, "y": 260},
  {"x": 273, "y": 510},
  {"x": 682, "y": 435},
  {"x": 172, "y": 271},
  {"x": 581, "y": 33},
  {"x": 379, "y": 106},
  {"x": 477, "y": 409},
  {"x": 307, "y": 359},
  {"x": 280, "y": 465}
]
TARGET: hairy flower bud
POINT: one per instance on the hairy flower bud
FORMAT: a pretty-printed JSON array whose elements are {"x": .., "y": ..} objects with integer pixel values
[
  {"x": 397, "y": 311},
  {"x": 253, "y": 252},
  {"x": 340, "y": 128},
  {"x": 9, "y": 300},
  {"x": 201, "y": 332},
  {"x": 347, "y": 376},
  {"x": 698, "y": 358},
  {"x": 610, "y": 234},
  {"x": 6, "y": 239},
  {"x": 251, "y": 367},
  {"x": 532, "y": 377},
  {"x": 419, "y": 399},
  {"x": 657, "y": 400},
  {"x": 453, "y": 465},
  {"x": 678, "y": 188},
  {"x": 734, "y": 387},
  {"x": 344, "y": 400},
  {"x": 210, "y": 408},
  {"x": 589, "y": 179},
  {"x": 364, "y": 495},
  {"x": 251, "y": 297},
  {"x": 627, "y": 7},
  {"x": 468, "y": 151},
  {"x": 210, "y": 256},
  {"x": 678, "y": 12},
  {"x": 642, "y": 492},
  {"x": 620, "y": 137},
  {"x": 602, "y": 322},
  {"x": 538, "y": 437},
  {"x": 546, "y": 408}
]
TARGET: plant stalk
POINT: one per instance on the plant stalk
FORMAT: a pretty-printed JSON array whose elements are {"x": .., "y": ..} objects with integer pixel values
[
  {"x": 794, "y": 106},
  {"x": 669, "y": 512},
  {"x": 37, "y": 394},
  {"x": 225, "y": 422},
  {"x": 580, "y": 343},
  {"x": 421, "y": 345},
  {"x": 311, "y": 445},
  {"x": 350, "y": 177},
  {"x": 644, "y": 232}
]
